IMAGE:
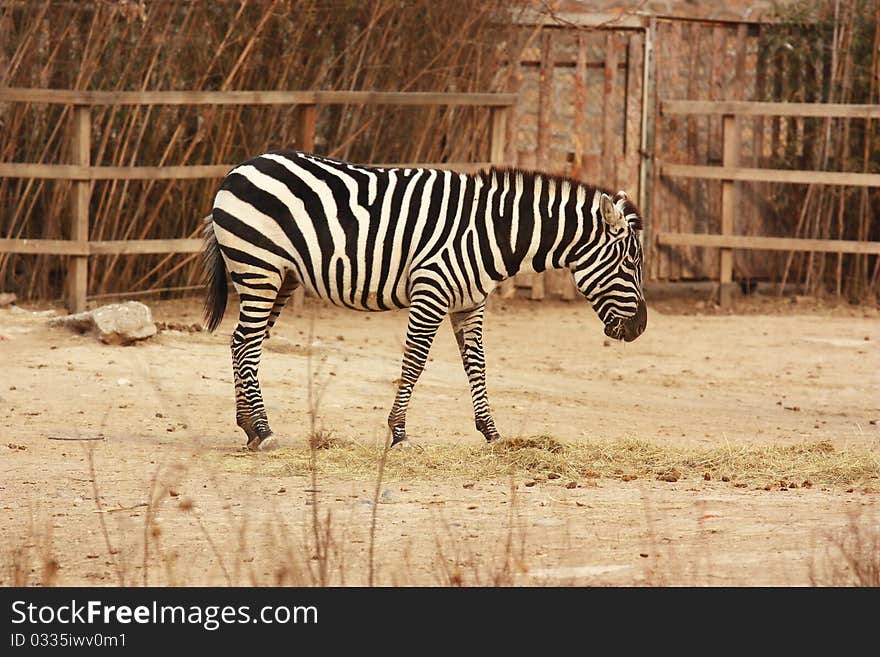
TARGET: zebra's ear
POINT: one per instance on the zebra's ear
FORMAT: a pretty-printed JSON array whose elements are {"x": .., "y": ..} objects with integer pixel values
[{"x": 610, "y": 213}]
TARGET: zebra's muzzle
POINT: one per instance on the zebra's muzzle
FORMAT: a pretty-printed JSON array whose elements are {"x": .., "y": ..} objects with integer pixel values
[{"x": 631, "y": 328}]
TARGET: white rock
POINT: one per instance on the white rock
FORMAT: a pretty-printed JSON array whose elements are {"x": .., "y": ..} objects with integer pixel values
[{"x": 116, "y": 323}]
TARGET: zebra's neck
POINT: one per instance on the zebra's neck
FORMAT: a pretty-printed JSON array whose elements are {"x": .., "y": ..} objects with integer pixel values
[{"x": 536, "y": 221}]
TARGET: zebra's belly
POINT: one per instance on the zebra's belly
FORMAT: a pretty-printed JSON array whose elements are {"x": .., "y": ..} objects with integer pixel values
[
  {"x": 370, "y": 303},
  {"x": 343, "y": 286}
]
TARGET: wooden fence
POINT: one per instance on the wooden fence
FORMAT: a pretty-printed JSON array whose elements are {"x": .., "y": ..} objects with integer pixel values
[
  {"x": 79, "y": 169},
  {"x": 730, "y": 172},
  {"x": 78, "y": 248}
]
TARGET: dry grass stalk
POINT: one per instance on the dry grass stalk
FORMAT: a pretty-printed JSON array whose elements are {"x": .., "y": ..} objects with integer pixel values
[
  {"x": 851, "y": 556},
  {"x": 818, "y": 462},
  {"x": 112, "y": 552}
]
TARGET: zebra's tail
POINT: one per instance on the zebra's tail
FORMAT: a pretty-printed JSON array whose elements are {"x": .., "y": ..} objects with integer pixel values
[{"x": 215, "y": 278}]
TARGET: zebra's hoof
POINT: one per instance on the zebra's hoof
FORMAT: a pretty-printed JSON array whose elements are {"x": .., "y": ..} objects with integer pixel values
[{"x": 267, "y": 444}]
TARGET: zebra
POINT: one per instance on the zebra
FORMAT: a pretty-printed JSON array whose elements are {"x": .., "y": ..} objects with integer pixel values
[{"x": 435, "y": 241}]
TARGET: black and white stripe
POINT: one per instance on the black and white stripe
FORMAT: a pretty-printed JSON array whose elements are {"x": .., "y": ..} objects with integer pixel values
[{"x": 434, "y": 241}]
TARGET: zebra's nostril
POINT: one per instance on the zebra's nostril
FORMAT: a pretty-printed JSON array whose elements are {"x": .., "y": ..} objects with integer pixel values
[{"x": 636, "y": 324}]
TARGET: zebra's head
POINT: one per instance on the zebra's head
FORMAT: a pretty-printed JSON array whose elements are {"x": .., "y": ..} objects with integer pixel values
[{"x": 609, "y": 272}]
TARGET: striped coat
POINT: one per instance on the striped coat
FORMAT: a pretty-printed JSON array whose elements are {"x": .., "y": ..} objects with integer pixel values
[{"x": 436, "y": 242}]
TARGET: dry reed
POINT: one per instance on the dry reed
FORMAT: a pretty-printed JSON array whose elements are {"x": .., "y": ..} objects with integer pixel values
[
  {"x": 196, "y": 44},
  {"x": 826, "y": 52}
]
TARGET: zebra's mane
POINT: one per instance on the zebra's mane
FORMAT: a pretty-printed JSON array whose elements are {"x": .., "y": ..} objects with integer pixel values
[{"x": 529, "y": 177}]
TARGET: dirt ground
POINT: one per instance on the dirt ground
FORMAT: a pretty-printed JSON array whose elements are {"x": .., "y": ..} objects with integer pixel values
[{"x": 156, "y": 420}]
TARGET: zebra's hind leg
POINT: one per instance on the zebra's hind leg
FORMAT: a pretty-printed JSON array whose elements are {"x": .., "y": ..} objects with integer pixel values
[
  {"x": 257, "y": 299},
  {"x": 288, "y": 287},
  {"x": 425, "y": 316},
  {"x": 468, "y": 328}
]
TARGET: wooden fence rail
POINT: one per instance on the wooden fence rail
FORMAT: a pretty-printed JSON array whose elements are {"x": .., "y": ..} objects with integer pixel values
[
  {"x": 730, "y": 172},
  {"x": 80, "y": 170},
  {"x": 754, "y": 108},
  {"x": 751, "y": 174},
  {"x": 83, "y": 97},
  {"x": 182, "y": 172},
  {"x": 769, "y": 243}
]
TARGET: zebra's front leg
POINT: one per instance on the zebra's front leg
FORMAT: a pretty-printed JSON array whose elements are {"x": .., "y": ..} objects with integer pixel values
[
  {"x": 425, "y": 317},
  {"x": 468, "y": 328}
]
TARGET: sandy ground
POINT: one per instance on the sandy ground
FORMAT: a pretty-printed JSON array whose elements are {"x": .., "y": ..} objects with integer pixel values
[{"x": 170, "y": 511}]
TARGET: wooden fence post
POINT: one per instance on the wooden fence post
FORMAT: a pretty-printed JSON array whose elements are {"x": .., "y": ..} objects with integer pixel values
[
  {"x": 610, "y": 113},
  {"x": 650, "y": 117},
  {"x": 78, "y": 268},
  {"x": 497, "y": 129},
  {"x": 305, "y": 136},
  {"x": 730, "y": 158},
  {"x": 305, "y": 141},
  {"x": 497, "y": 133},
  {"x": 543, "y": 154}
]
